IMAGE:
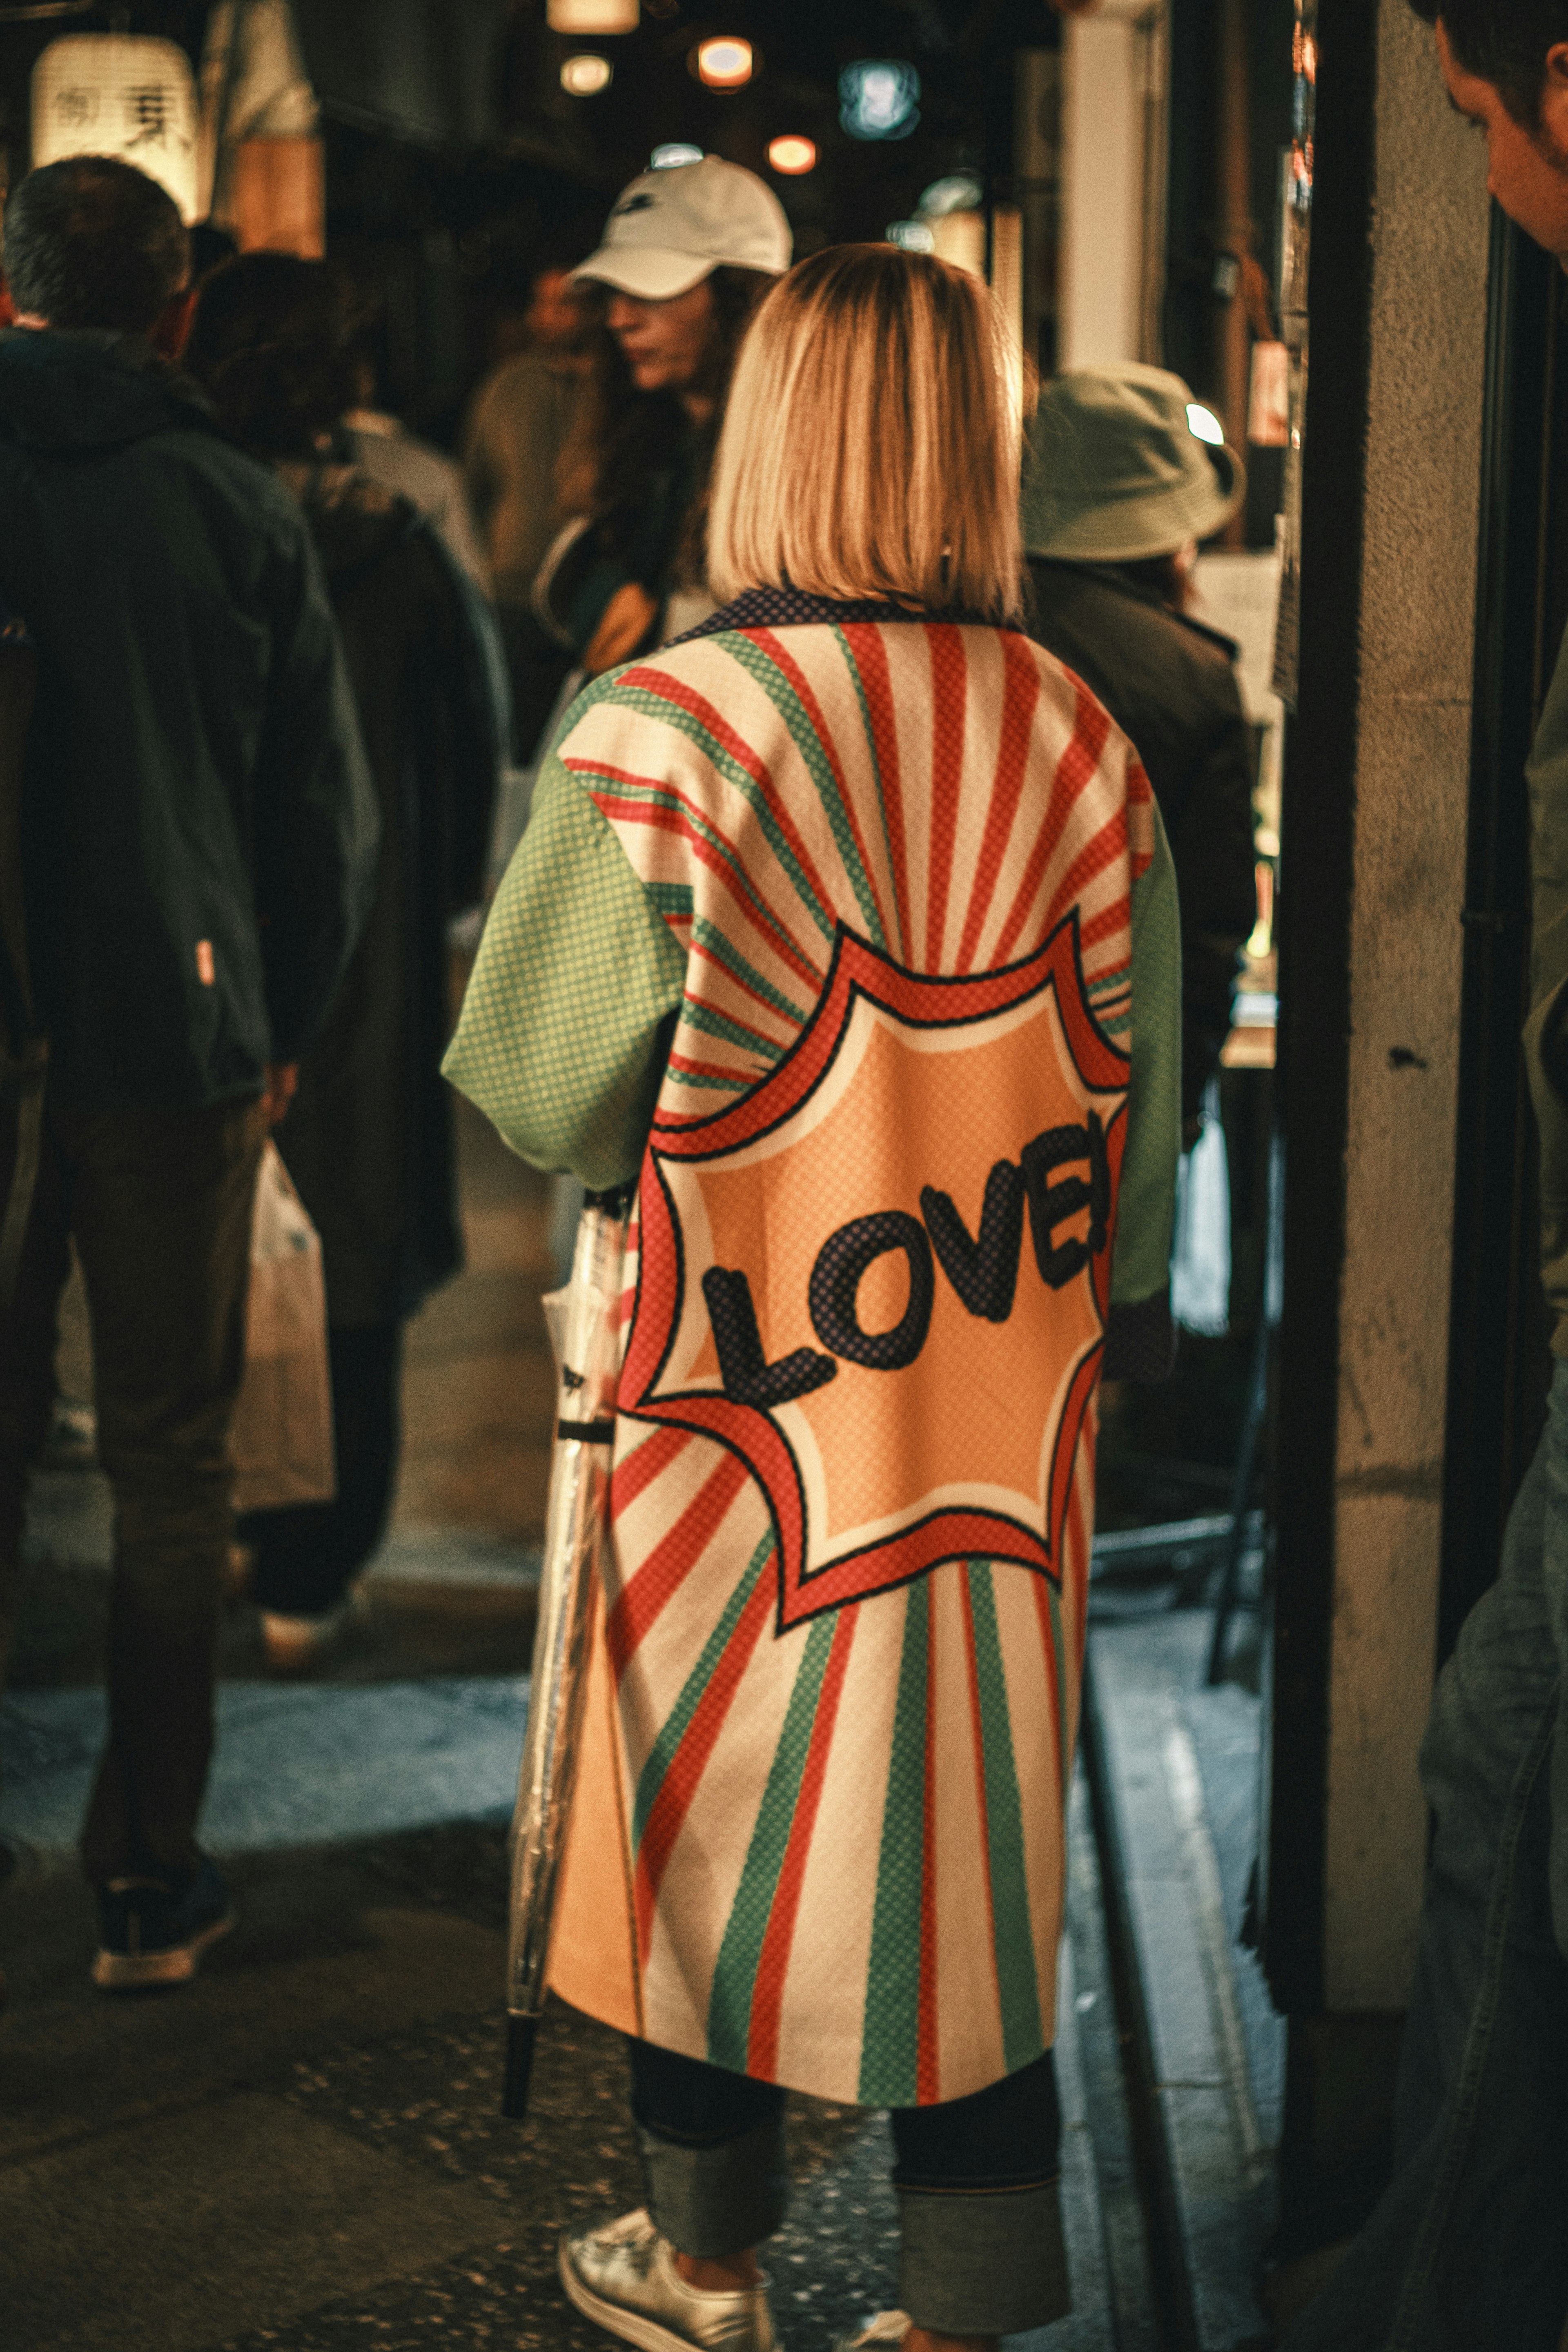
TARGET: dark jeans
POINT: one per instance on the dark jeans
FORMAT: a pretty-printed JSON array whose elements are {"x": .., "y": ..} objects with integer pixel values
[
  {"x": 981, "y": 2251},
  {"x": 1468, "y": 2250},
  {"x": 306, "y": 1558},
  {"x": 160, "y": 1205}
]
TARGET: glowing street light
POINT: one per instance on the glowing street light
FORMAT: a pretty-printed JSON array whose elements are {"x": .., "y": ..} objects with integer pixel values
[
  {"x": 724, "y": 63},
  {"x": 672, "y": 154},
  {"x": 792, "y": 155},
  {"x": 592, "y": 17},
  {"x": 585, "y": 76},
  {"x": 912, "y": 235}
]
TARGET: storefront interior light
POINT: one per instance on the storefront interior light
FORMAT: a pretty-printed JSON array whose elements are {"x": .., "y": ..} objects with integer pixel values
[
  {"x": 792, "y": 155},
  {"x": 594, "y": 17},
  {"x": 912, "y": 235},
  {"x": 586, "y": 75},
  {"x": 724, "y": 63},
  {"x": 673, "y": 153},
  {"x": 1204, "y": 425}
]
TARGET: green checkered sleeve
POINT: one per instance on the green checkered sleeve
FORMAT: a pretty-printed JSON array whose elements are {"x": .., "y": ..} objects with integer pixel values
[
  {"x": 559, "y": 1039},
  {"x": 1146, "y": 1210}
]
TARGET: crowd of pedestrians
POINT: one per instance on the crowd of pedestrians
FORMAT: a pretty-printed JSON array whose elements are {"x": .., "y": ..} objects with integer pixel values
[{"x": 874, "y": 930}]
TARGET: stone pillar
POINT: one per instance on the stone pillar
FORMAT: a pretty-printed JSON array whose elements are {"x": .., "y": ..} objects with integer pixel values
[{"x": 1373, "y": 883}]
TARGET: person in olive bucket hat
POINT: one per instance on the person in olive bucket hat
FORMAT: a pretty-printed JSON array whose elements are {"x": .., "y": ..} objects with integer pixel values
[{"x": 1124, "y": 475}]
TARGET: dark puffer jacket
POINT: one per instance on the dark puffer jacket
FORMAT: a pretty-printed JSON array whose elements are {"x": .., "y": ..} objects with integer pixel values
[
  {"x": 1170, "y": 685},
  {"x": 199, "y": 828}
]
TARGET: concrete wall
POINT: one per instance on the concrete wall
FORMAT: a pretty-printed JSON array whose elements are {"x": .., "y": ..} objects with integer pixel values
[{"x": 1423, "y": 480}]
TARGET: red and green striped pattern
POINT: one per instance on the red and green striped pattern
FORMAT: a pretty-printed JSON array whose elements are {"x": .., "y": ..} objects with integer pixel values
[{"x": 847, "y": 1862}]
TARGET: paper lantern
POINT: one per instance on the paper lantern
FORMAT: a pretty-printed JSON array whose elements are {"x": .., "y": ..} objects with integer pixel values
[
  {"x": 792, "y": 155},
  {"x": 120, "y": 94},
  {"x": 592, "y": 17}
]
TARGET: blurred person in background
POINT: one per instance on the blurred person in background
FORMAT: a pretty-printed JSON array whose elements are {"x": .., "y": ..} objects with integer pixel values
[
  {"x": 849, "y": 925},
  {"x": 368, "y": 1140},
  {"x": 516, "y": 429},
  {"x": 379, "y": 445},
  {"x": 688, "y": 253},
  {"x": 198, "y": 854},
  {"x": 1117, "y": 490}
]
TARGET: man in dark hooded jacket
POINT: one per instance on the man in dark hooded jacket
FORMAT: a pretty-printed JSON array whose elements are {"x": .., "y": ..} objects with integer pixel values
[{"x": 199, "y": 839}]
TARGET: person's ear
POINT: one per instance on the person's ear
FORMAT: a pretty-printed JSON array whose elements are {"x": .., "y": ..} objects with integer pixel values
[{"x": 172, "y": 331}]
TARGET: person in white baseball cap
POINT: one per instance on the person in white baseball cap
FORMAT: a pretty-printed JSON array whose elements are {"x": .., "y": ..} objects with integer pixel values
[{"x": 688, "y": 252}]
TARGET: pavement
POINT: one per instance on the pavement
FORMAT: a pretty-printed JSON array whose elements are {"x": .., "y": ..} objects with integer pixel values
[{"x": 303, "y": 2150}]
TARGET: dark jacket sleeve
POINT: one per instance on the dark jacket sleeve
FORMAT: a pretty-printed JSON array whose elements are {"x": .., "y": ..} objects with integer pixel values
[
  {"x": 479, "y": 724},
  {"x": 317, "y": 824},
  {"x": 1210, "y": 849}
]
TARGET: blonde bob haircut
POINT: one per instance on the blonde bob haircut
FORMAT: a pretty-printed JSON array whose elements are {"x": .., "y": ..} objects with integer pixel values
[{"x": 871, "y": 444}]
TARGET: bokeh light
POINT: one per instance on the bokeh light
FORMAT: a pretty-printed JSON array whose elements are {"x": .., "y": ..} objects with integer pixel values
[
  {"x": 879, "y": 99},
  {"x": 959, "y": 192},
  {"x": 724, "y": 63},
  {"x": 791, "y": 154},
  {"x": 584, "y": 75},
  {"x": 592, "y": 17}
]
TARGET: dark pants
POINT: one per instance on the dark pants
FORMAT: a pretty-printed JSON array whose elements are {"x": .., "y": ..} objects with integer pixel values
[
  {"x": 306, "y": 1558},
  {"x": 981, "y": 2251},
  {"x": 160, "y": 1205},
  {"x": 1468, "y": 2250}
]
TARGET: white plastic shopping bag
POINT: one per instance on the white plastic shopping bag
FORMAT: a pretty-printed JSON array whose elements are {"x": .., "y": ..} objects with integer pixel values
[
  {"x": 281, "y": 1438},
  {"x": 1200, "y": 1252}
]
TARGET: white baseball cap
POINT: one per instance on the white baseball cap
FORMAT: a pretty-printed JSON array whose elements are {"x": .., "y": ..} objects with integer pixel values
[{"x": 671, "y": 229}]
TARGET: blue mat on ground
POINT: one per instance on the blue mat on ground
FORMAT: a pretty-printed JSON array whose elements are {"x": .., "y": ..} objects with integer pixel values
[{"x": 296, "y": 1765}]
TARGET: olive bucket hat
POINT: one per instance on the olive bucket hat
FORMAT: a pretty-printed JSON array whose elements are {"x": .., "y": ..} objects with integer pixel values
[{"x": 1123, "y": 463}]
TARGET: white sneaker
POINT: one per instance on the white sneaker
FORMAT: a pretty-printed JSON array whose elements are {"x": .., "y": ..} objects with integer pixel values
[
  {"x": 622, "y": 2275},
  {"x": 294, "y": 1645},
  {"x": 886, "y": 2329}
]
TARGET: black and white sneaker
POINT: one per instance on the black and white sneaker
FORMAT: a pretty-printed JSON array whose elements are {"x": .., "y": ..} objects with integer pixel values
[{"x": 153, "y": 1932}]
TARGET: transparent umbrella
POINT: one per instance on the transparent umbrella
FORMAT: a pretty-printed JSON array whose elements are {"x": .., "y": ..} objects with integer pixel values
[{"x": 584, "y": 1329}]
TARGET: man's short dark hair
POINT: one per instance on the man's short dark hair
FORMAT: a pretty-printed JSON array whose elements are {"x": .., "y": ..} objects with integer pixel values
[
  {"x": 1503, "y": 42},
  {"x": 92, "y": 242}
]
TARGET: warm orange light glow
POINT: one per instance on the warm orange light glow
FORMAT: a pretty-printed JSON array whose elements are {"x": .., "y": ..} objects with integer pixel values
[
  {"x": 725, "y": 63},
  {"x": 586, "y": 75},
  {"x": 792, "y": 155},
  {"x": 592, "y": 17}
]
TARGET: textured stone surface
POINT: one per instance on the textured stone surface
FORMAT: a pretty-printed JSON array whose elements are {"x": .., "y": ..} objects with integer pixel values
[{"x": 1429, "y": 275}]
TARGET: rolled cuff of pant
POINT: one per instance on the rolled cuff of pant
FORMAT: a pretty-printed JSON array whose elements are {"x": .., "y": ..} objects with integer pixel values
[
  {"x": 714, "y": 2202},
  {"x": 982, "y": 2261}
]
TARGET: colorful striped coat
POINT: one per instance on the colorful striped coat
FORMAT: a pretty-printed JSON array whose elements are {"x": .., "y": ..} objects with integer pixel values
[{"x": 852, "y": 936}]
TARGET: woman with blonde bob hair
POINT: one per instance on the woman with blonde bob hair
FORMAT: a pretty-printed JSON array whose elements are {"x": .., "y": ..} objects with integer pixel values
[
  {"x": 844, "y": 936},
  {"x": 872, "y": 440}
]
